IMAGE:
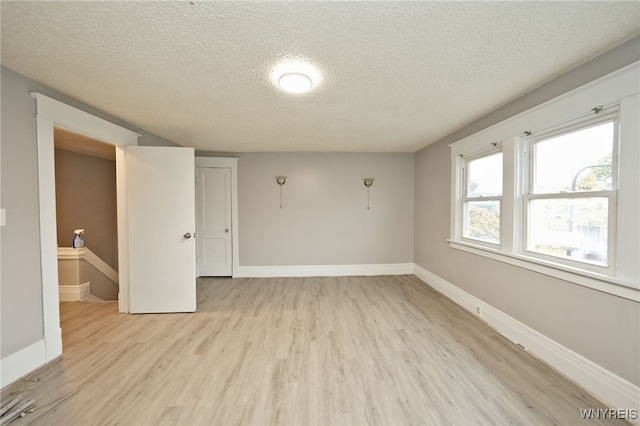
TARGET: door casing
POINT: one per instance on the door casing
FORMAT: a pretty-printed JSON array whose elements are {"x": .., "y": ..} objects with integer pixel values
[{"x": 51, "y": 113}]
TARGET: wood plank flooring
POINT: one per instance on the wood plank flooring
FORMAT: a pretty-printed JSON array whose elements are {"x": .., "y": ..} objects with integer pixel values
[{"x": 296, "y": 351}]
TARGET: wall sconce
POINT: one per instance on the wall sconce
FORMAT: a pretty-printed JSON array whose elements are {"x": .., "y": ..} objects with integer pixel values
[
  {"x": 368, "y": 182},
  {"x": 280, "y": 180}
]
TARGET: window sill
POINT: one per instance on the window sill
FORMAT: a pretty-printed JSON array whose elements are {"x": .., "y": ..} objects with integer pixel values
[{"x": 593, "y": 280}]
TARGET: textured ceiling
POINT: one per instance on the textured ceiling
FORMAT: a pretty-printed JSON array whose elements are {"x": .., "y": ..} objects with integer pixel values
[{"x": 396, "y": 75}]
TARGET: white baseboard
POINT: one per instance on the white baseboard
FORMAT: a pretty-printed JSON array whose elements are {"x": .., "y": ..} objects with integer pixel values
[
  {"x": 22, "y": 363},
  {"x": 611, "y": 389},
  {"x": 74, "y": 293},
  {"x": 325, "y": 270}
]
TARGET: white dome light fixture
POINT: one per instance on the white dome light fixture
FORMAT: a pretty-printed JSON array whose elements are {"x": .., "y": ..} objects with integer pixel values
[
  {"x": 295, "y": 82},
  {"x": 296, "y": 76}
]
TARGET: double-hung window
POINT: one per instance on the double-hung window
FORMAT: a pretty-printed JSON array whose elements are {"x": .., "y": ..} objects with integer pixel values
[
  {"x": 570, "y": 193},
  {"x": 482, "y": 197},
  {"x": 555, "y": 188}
]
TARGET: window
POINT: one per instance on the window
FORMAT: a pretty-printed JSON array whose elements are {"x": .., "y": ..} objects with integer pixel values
[
  {"x": 482, "y": 198},
  {"x": 570, "y": 202},
  {"x": 555, "y": 188}
]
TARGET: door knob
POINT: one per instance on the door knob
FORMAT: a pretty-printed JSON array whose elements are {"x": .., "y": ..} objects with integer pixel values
[
  {"x": 187, "y": 235},
  {"x": 226, "y": 230}
]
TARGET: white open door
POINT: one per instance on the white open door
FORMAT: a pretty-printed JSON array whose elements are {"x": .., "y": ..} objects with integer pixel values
[
  {"x": 161, "y": 222},
  {"x": 214, "y": 222}
]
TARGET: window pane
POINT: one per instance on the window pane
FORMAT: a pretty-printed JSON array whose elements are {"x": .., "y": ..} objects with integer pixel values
[
  {"x": 576, "y": 229},
  {"x": 485, "y": 176},
  {"x": 575, "y": 162},
  {"x": 482, "y": 220}
]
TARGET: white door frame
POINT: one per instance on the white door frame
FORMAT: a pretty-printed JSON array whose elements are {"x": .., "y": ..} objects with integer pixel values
[
  {"x": 49, "y": 114},
  {"x": 231, "y": 163}
]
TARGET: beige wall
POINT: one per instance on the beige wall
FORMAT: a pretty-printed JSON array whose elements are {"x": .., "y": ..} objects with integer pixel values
[
  {"x": 101, "y": 286},
  {"x": 74, "y": 272},
  {"x": 86, "y": 198},
  {"x": 598, "y": 326},
  {"x": 324, "y": 219}
]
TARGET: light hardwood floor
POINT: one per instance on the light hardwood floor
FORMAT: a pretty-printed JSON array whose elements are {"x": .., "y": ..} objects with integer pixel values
[{"x": 297, "y": 351}]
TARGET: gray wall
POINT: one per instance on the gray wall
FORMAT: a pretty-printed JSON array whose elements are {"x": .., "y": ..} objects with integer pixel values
[
  {"x": 21, "y": 302},
  {"x": 20, "y": 284},
  {"x": 86, "y": 198},
  {"x": 324, "y": 219},
  {"x": 600, "y": 327}
]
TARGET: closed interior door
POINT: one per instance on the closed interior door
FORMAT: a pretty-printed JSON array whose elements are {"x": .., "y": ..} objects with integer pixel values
[
  {"x": 213, "y": 237},
  {"x": 161, "y": 222}
]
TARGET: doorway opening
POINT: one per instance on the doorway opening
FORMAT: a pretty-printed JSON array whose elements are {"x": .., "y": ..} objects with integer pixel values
[
  {"x": 86, "y": 199},
  {"x": 51, "y": 114}
]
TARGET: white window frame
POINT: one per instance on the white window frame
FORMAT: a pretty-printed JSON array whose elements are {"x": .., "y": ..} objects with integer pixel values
[
  {"x": 620, "y": 88},
  {"x": 595, "y": 117},
  {"x": 496, "y": 148}
]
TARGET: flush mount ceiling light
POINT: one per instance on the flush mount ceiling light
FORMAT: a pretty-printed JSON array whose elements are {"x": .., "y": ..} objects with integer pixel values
[
  {"x": 295, "y": 82},
  {"x": 295, "y": 76}
]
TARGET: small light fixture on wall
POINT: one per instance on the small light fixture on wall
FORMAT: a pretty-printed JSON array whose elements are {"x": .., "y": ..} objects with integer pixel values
[
  {"x": 280, "y": 180},
  {"x": 368, "y": 182}
]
